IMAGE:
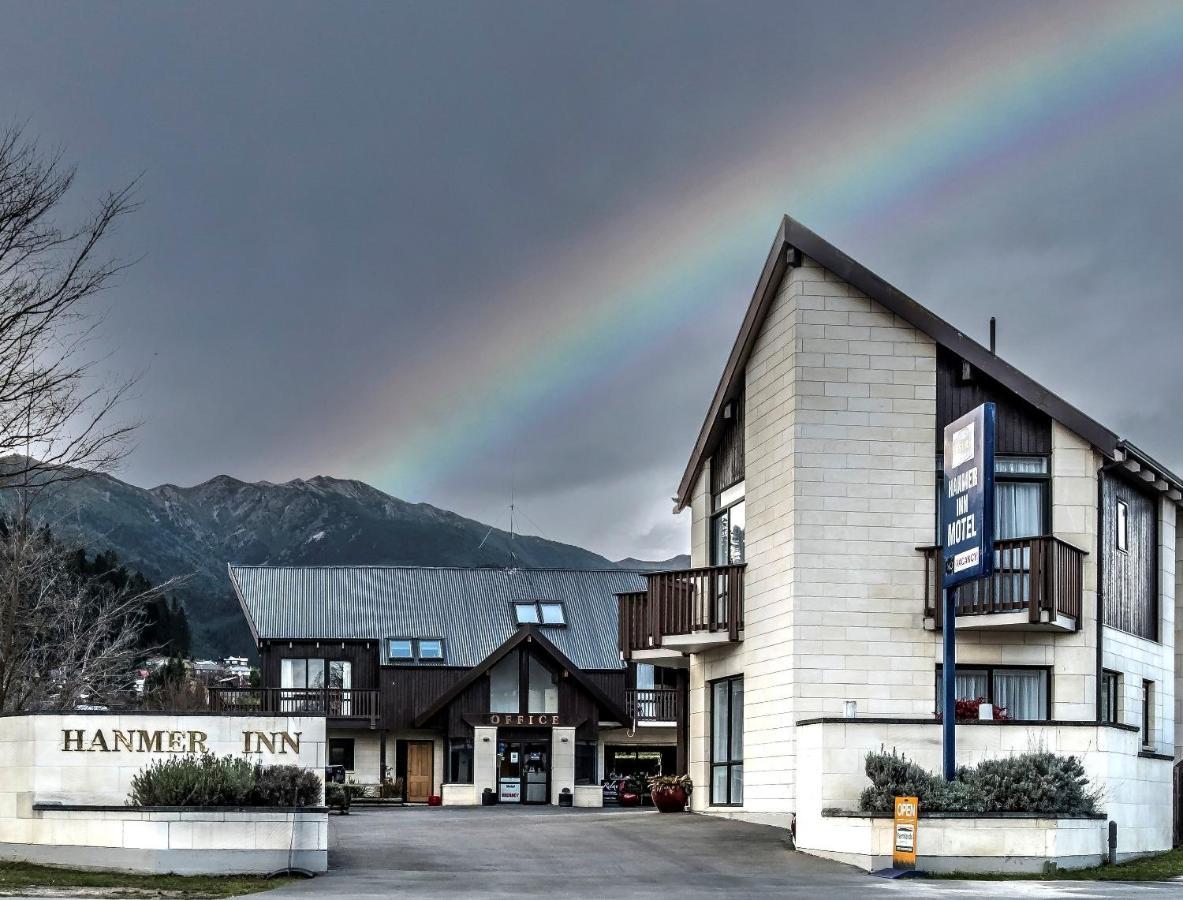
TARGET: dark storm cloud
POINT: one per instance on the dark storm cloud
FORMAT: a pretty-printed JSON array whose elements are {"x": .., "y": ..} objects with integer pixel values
[{"x": 329, "y": 189}]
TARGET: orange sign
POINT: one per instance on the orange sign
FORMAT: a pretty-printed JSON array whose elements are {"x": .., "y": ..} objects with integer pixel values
[{"x": 907, "y": 814}]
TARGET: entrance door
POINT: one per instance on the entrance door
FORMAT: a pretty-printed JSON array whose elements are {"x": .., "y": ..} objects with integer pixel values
[
  {"x": 420, "y": 777},
  {"x": 523, "y": 770}
]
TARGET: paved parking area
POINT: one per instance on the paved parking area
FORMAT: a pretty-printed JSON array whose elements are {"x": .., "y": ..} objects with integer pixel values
[{"x": 613, "y": 854}]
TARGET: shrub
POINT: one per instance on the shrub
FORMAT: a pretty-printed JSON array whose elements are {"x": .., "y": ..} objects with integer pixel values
[
  {"x": 285, "y": 786},
  {"x": 338, "y": 798},
  {"x": 1036, "y": 782},
  {"x": 391, "y": 789},
  {"x": 209, "y": 780}
]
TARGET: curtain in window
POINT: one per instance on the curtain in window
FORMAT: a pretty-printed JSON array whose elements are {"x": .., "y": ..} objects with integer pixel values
[
  {"x": 971, "y": 685},
  {"x": 1022, "y": 692},
  {"x": 1018, "y": 509}
]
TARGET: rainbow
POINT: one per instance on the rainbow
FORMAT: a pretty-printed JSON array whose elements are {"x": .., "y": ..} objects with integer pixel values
[{"x": 1032, "y": 87}]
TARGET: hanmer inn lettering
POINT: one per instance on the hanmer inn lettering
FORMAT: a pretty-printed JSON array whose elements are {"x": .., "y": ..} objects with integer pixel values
[{"x": 78, "y": 740}]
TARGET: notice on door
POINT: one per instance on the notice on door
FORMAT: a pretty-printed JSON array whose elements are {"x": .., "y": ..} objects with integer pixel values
[
  {"x": 907, "y": 815},
  {"x": 510, "y": 790}
]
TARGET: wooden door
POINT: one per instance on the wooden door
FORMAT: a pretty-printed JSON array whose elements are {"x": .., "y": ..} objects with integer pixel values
[{"x": 420, "y": 773}]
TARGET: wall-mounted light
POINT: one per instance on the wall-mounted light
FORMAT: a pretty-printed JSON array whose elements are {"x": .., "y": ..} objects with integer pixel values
[
  {"x": 485, "y": 740},
  {"x": 564, "y": 740}
]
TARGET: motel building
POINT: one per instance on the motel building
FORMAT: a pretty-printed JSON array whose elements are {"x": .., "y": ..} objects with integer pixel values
[
  {"x": 451, "y": 681},
  {"x": 810, "y": 624}
]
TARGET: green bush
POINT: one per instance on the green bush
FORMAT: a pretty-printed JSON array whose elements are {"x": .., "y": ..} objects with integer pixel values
[
  {"x": 1033, "y": 782},
  {"x": 338, "y": 797},
  {"x": 209, "y": 780}
]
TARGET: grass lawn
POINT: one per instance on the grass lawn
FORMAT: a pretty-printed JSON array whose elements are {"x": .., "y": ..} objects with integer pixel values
[
  {"x": 1149, "y": 868},
  {"x": 16, "y": 877}
]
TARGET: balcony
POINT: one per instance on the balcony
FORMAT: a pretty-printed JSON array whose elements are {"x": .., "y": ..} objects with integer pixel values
[
  {"x": 653, "y": 706},
  {"x": 686, "y": 611},
  {"x": 1037, "y": 585},
  {"x": 334, "y": 703}
]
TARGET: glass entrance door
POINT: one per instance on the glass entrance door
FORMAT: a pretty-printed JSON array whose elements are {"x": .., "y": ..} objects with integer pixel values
[{"x": 523, "y": 770}]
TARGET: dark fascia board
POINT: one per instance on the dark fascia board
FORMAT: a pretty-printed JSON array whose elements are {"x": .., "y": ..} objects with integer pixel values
[
  {"x": 793, "y": 236},
  {"x": 250, "y": 620},
  {"x": 524, "y": 633}
]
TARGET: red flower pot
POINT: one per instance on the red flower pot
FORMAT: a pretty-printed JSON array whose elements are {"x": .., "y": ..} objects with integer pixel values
[
  {"x": 669, "y": 800},
  {"x": 628, "y": 798},
  {"x": 435, "y": 800}
]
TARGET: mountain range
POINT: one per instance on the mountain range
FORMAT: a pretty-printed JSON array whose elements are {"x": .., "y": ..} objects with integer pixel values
[{"x": 168, "y": 531}]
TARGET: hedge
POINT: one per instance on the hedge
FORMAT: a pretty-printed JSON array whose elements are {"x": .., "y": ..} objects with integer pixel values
[{"x": 207, "y": 780}]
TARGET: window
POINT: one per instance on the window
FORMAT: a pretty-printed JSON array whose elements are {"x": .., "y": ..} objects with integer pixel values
[
  {"x": 552, "y": 614},
  {"x": 422, "y": 649},
  {"x": 728, "y": 526},
  {"x": 341, "y": 753},
  {"x": 460, "y": 761},
  {"x": 1147, "y": 713},
  {"x": 539, "y": 612},
  {"x": 1123, "y": 526},
  {"x": 400, "y": 648},
  {"x": 1022, "y": 506},
  {"x": 586, "y": 757},
  {"x": 543, "y": 693},
  {"x": 1110, "y": 697},
  {"x": 504, "y": 681},
  {"x": 1024, "y": 692},
  {"x": 302, "y": 674},
  {"x": 727, "y": 742},
  {"x": 430, "y": 649}
]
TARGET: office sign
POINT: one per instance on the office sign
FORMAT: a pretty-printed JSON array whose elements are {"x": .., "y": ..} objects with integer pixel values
[
  {"x": 967, "y": 497},
  {"x": 907, "y": 818}
]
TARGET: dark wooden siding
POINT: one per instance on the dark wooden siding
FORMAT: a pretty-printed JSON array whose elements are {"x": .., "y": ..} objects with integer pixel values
[
  {"x": 1021, "y": 428},
  {"x": 727, "y": 464},
  {"x": 1130, "y": 578},
  {"x": 407, "y": 692},
  {"x": 363, "y": 655},
  {"x": 613, "y": 682}
]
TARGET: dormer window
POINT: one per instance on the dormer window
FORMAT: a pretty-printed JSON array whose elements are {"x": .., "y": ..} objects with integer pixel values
[
  {"x": 539, "y": 612},
  {"x": 415, "y": 649}
]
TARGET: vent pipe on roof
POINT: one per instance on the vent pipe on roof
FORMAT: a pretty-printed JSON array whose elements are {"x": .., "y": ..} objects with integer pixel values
[{"x": 993, "y": 336}]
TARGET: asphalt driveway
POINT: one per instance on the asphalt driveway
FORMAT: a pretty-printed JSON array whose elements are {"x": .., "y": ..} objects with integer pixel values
[{"x": 524, "y": 852}]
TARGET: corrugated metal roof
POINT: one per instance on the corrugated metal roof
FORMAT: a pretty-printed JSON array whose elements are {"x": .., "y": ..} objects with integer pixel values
[{"x": 469, "y": 608}]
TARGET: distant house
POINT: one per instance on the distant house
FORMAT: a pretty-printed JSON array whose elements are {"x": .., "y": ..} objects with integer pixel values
[{"x": 474, "y": 678}]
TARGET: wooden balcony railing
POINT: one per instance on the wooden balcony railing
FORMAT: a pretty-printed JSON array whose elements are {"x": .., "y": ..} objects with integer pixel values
[
  {"x": 653, "y": 704},
  {"x": 1037, "y": 574},
  {"x": 339, "y": 703},
  {"x": 682, "y": 602}
]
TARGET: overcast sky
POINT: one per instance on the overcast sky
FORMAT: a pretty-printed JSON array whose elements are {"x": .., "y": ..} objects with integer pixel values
[{"x": 402, "y": 243}]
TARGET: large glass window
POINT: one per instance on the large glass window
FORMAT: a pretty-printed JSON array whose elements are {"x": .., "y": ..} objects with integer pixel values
[
  {"x": 503, "y": 685},
  {"x": 727, "y": 742},
  {"x": 341, "y": 753},
  {"x": 1021, "y": 497},
  {"x": 1110, "y": 697},
  {"x": 728, "y": 526},
  {"x": 460, "y": 761},
  {"x": 586, "y": 757},
  {"x": 1023, "y": 692},
  {"x": 544, "y": 691}
]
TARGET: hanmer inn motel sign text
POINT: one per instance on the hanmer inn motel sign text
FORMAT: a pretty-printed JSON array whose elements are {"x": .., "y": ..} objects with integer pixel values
[{"x": 967, "y": 519}]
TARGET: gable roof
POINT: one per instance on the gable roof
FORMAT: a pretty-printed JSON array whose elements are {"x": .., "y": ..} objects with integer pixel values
[
  {"x": 469, "y": 608},
  {"x": 793, "y": 240},
  {"x": 526, "y": 634}
]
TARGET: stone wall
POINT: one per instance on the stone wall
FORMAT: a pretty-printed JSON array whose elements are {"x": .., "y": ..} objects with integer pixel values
[
  {"x": 831, "y": 771},
  {"x": 89, "y": 760}
]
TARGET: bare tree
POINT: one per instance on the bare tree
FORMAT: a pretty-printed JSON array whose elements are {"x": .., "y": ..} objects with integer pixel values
[
  {"x": 52, "y": 413},
  {"x": 65, "y": 639},
  {"x": 62, "y": 639}
]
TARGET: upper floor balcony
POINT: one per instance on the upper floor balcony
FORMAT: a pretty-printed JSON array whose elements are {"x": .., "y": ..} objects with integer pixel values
[
  {"x": 333, "y": 703},
  {"x": 1037, "y": 585},
  {"x": 684, "y": 611},
  {"x": 653, "y": 706}
]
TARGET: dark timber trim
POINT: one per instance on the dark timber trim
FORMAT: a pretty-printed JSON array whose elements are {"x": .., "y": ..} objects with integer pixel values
[
  {"x": 792, "y": 240},
  {"x": 525, "y": 634}
]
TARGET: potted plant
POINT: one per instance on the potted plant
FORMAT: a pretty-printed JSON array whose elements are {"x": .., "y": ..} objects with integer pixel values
[
  {"x": 670, "y": 793},
  {"x": 631, "y": 791}
]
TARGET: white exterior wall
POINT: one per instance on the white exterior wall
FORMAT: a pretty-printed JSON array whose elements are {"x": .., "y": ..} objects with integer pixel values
[
  {"x": 840, "y": 441},
  {"x": 367, "y": 755}
]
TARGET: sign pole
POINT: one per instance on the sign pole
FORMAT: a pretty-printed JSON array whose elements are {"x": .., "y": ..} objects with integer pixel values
[
  {"x": 967, "y": 523},
  {"x": 948, "y": 686}
]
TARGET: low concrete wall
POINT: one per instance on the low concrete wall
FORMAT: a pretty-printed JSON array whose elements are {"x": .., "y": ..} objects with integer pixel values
[
  {"x": 831, "y": 755},
  {"x": 161, "y": 840},
  {"x": 65, "y": 779},
  {"x": 588, "y": 795},
  {"x": 1007, "y": 842},
  {"x": 459, "y": 795}
]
